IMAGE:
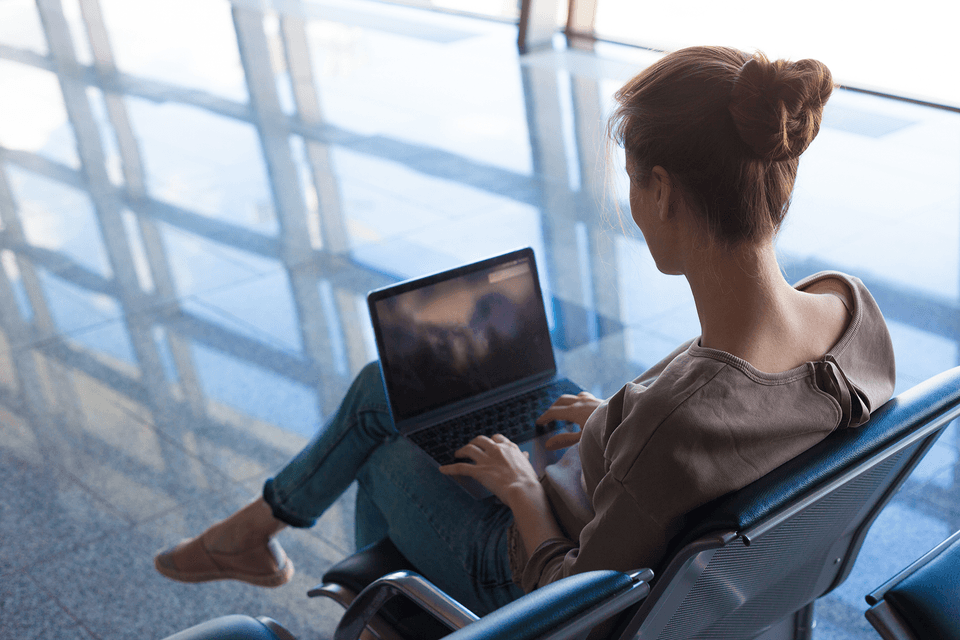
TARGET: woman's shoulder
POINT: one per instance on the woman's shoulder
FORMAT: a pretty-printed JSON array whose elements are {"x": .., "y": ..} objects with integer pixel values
[
  {"x": 834, "y": 283},
  {"x": 829, "y": 276},
  {"x": 849, "y": 289},
  {"x": 867, "y": 334},
  {"x": 864, "y": 357}
]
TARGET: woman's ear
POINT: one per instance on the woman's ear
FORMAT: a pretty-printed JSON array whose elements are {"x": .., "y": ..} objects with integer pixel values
[{"x": 663, "y": 192}]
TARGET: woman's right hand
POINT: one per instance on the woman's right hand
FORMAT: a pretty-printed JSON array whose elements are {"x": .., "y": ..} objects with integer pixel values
[{"x": 571, "y": 408}]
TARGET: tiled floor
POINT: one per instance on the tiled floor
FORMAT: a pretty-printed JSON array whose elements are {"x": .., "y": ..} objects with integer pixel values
[{"x": 195, "y": 198}]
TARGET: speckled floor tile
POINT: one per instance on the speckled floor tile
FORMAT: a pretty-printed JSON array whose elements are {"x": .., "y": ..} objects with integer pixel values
[
  {"x": 123, "y": 461},
  {"x": 46, "y": 513},
  {"x": 27, "y": 612},
  {"x": 112, "y": 584}
]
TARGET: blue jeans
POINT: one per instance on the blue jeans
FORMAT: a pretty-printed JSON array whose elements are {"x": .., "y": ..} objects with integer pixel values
[{"x": 454, "y": 540}]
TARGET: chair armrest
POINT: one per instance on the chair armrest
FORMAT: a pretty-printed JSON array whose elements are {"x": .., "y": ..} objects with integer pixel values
[
  {"x": 558, "y": 610},
  {"x": 412, "y": 585},
  {"x": 568, "y": 608}
]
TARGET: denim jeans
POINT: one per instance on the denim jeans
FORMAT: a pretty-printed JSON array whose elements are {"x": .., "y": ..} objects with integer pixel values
[{"x": 454, "y": 540}]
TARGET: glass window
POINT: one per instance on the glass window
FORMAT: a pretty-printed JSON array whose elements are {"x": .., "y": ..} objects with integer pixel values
[{"x": 884, "y": 46}]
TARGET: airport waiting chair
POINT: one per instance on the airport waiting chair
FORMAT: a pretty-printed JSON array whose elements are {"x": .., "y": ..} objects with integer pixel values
[
  {"x": 922, "y": 602},
  {"x": 748, "y": 565},
  {"x": 235, "y": 627}
]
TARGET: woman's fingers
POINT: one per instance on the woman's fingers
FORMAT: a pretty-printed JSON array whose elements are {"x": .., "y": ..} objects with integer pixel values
[
  {"x": 469, "y": 450},
  {"x": 555, "y": 412},
  {"x": 562, "y": 441},
  {"x": 571, "y": 408},
  {"x": 481, "y": 445},
  {"x": 502, "y": 439},
  {"x": 459, "y": 469},
  {"x": 559, "y": 405}
]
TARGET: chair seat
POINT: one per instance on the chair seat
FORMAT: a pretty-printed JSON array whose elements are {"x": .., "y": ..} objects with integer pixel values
[{"x": 366, "y": 565}]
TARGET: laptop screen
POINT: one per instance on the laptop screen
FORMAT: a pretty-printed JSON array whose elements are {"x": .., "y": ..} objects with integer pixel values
[{"x": 464, "y": 332}]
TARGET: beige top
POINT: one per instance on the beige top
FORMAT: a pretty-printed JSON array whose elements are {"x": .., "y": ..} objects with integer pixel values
[{"x": 699, "y": 424}]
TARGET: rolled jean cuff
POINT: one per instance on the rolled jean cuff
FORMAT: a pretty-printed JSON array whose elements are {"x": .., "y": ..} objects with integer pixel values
[{"x": 280, "y": 513}]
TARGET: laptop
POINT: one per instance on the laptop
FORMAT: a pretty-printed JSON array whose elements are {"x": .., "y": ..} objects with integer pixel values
[{"x": 467, "y": 352}]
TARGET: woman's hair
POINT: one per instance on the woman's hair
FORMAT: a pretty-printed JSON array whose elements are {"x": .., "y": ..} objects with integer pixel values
[{"x": 728, "y": 127}]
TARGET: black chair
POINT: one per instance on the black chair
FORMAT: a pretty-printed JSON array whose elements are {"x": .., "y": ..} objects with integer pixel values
[
  {"x": 748, "y": 565},
  {"x": 235, "y": 627},
  {"x": 922, "y": 602}
]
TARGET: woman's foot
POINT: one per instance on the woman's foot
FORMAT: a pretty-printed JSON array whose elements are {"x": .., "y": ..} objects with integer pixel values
[{"x": 238, "y": 548}]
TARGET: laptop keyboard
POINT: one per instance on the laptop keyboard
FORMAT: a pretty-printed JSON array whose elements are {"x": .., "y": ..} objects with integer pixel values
[{"x": 515, "y": 418}]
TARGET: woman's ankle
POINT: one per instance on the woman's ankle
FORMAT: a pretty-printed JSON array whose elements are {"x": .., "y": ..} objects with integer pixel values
[{"x": 252, "y": 525}]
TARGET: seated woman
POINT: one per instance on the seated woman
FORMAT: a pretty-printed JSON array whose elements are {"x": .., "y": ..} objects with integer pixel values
[{"x": 712, "y": 138}]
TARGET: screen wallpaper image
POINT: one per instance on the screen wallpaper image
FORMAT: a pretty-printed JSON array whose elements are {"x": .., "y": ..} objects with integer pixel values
[{"x": 455, "y": 339}]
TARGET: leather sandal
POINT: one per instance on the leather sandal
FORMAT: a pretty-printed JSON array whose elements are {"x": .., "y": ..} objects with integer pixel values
[{"x": 191, "y": 561}]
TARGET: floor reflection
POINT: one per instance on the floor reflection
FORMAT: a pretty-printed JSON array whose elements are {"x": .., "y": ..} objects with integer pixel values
[{"x": 193, "y": 211}]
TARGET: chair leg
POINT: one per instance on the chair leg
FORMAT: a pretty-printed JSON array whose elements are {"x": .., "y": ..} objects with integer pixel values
[{"x": 804, "y": 622}]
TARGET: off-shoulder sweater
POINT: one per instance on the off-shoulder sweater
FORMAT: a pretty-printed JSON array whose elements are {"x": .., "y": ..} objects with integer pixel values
[{"x": 697, "y": 425}]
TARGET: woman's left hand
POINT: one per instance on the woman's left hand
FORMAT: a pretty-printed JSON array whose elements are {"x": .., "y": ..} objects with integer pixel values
[{"x": 498, "y": 464}]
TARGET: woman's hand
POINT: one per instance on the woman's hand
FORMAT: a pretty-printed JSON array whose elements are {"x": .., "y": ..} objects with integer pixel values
[
  {"x": 572, "y": 408},
  {"x": 498, "y": 464}
]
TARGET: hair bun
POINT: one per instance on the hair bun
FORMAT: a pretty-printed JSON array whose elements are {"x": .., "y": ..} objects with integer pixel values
[{"x": 777, "y": 106}]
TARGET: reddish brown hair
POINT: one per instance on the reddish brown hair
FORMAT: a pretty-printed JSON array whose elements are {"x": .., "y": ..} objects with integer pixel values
[{"x": 728, "y": 127}]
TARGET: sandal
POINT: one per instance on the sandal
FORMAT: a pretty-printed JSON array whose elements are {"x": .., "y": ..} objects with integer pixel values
[{"x": 191, "y": 561}]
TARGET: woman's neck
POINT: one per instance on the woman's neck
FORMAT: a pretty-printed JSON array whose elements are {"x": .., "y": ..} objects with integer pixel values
[{"x": 743, "y": 301}]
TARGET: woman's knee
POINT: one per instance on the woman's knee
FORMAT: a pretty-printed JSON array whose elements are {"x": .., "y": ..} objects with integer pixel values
[
  {"x": 369, "y": 382},
  {"x": 366, "y": 392},
  {"x": 371, "y": 371}
]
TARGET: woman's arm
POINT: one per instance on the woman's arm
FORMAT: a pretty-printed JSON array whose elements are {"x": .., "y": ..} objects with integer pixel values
[{"x": 534, "y": 519}]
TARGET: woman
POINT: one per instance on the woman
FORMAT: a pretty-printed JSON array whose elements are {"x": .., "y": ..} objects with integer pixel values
[{"x": 712, "y": 139}]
